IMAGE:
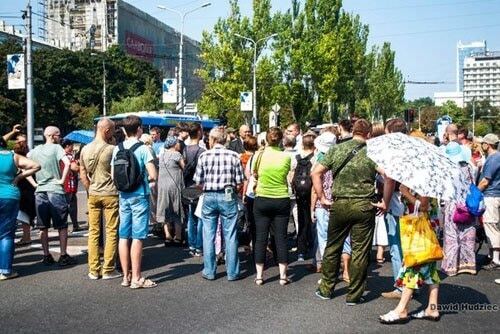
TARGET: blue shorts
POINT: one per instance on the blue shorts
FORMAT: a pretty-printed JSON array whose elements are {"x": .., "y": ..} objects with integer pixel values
[
  {"x": 134, "y": 217},
  {"x": 51, "y": 207}
]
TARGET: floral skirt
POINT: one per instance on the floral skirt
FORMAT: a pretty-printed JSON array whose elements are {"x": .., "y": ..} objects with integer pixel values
[{"x": 415, "y": 277}]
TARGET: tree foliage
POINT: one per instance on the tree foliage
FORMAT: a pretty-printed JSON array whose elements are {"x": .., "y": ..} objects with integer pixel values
[
  {"x": 317, "y": 67},
  {"x": 68, "y": 86}
]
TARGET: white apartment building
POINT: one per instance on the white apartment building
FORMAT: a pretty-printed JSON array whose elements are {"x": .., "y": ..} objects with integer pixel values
[{"x": 482, "y": 78}]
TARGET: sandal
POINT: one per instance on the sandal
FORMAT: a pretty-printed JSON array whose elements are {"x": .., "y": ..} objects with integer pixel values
[
  {"x": 126, "y": 280},
  {"x": 392, "y": 318},
  {"x": 423, "y": 316},
  {"x": 177, "y": 242},
  {"x": 258, "y": 281},
  {"x": 285, "y": 281},
  {"x": 381, "y": 261},
  {"x": 143, "y": 283}
]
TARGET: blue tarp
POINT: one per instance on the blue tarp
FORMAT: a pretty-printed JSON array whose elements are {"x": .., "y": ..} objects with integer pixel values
[{"x": 80, "y": 136}]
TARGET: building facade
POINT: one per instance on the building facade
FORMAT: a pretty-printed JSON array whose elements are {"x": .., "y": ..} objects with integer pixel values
[
  {"x": 441, "y": 98},
  {"x": 98, "y": 24},
  {"x": 482, "y": 78},
  {"x": 464, "y": 51}
]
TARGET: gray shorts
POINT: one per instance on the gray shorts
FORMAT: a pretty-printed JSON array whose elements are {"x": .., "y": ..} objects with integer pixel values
[{"x": 51, "y": 207}]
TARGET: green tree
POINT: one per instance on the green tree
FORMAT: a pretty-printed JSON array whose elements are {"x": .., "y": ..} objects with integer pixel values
[{"x": 386, "y": 86}]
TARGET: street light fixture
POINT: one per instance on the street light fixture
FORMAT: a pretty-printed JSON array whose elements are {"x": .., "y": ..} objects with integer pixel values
[
  {"x": 254, "y": 65},
  {"x": 180, "y": 88}
]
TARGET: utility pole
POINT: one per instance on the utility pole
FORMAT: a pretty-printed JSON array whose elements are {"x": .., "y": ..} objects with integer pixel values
[
  {"x": 30, "y": 117},
  {"x": 103, "y": 87},
  {"x": 473, "y": 115}
]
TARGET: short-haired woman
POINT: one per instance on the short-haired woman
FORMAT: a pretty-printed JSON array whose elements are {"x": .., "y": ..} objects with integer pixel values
[{"x": 272, "y": 203}]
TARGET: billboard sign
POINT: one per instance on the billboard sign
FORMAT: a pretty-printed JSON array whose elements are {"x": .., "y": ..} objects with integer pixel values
[
  {"x": 15, "y": 71},
  {"x": 246, "y": 101},
  {"x": 169, "y": 91},
  {"x": 139, "y": 47}
]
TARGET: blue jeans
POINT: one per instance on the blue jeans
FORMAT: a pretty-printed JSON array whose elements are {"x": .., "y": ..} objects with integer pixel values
[
  {"x": 8, "y": 215},
  {"x": 214, "y": 207},
  {"x": 134, "y": 217},
  {"x": 392, "y": 225},
  {"x": 194, "y": 230},
  {"x": 322, "y": 218}
]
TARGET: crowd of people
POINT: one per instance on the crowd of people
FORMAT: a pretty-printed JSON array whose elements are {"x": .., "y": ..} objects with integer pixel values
[{"x": 215, "y": 192}]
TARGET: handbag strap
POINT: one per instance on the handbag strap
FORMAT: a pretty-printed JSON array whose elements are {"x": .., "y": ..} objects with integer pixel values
[{"x": 349, "y": 157}]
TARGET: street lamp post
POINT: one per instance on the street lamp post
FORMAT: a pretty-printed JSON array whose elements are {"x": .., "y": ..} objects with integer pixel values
[
  {"x": 254, "y": 66},
  {"x": 182, "y": 15},
  {"x": 473, "y": 116}
]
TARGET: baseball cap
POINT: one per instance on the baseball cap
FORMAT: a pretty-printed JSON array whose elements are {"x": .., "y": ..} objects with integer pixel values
[{"x": 490, "y": 138}]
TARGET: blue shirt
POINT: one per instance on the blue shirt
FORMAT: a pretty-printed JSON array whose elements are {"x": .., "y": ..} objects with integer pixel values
[
  {"x": 491, "y": 171},
  {"x": 8, "y": 172},
  {"x": 157, "y": 146},
  {"x": 144, "y": 156}
]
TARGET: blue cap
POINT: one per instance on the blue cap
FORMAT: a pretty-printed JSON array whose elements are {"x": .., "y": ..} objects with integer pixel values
[{"x": 455, "y": 152}]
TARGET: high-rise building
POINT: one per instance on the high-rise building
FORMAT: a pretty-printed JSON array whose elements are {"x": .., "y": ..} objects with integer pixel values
[
  {"x": 464, "y": 51},
  {"x": 98, "y": 24},
  {"x": 482, "y": 78}
]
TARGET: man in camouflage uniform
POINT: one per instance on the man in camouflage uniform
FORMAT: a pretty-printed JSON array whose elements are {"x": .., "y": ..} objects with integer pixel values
[{"x": 351, "y": 211}]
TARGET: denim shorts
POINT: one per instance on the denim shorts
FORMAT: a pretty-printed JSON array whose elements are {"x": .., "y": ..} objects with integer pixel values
[
  {"x": 51, "y": 207},
  {"x": 134, "y": 217}
]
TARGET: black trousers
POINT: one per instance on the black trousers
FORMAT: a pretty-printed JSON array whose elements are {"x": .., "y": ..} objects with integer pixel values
[
  {"x": 271, "y": 215},
  {"x": 304, "y": 234}
]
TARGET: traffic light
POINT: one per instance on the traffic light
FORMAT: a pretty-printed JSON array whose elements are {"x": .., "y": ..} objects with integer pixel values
[{"x": 409, "y": 115}]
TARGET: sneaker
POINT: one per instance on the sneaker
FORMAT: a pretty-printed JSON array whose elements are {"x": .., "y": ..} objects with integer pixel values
[
  {"x": 12, "y": 275},
  {"x": 360, "y": 301},
  {"x": 112, "y": 275},
  {"x": 92, "y": 276},
  {"x": 321, "y": 296},
  {"x": 66, "y": 260},
  {"x": 198, "y": 253},
  {"x": 497, "y": 281},
  {"x": 491, "y": 266},
  {"x": 48, "y": 260},
  {"x": 394, "y": 294},
  {"x": 301, "y": 258}
]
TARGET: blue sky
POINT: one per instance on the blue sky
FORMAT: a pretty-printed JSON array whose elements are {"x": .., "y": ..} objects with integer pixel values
[{"x": 424, "y": 33}]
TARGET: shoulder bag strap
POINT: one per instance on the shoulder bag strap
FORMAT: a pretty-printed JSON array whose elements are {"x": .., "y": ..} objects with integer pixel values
[
  {"x": 99, "y": 153},
  {"x": 349, "y": 157}
]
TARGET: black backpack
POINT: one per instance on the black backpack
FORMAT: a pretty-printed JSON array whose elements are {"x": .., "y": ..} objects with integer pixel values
[
  {"x": 127, "y": 174},
  {"x": 302, "y": 182},
  {"x": 190, "y": 168}
]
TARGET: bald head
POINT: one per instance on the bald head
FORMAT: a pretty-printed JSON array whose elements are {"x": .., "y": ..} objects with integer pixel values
[
  {"x": 105, "y": 129},
  {"x": 52, "y": 134},
  {"x": 245, "y": 131}
]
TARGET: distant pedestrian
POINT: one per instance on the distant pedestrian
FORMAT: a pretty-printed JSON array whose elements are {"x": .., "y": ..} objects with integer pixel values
[
  {"x": 95, "y": 174},
  {"x": 134, "y": 200},
  {"x": 71, "y": 183},
  {"x": 50, "y": 198},
  {"x": 220, "y": 174},
  {"x": 237, "y": 143}
]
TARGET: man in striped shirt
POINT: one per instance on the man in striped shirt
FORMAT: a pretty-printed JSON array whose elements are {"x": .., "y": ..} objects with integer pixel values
[{"x": 219, "y": 173}]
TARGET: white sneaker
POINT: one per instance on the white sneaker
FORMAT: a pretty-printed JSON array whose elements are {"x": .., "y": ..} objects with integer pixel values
[
  {"x": 112, "y": 275},
  {"x": 497, "y": 281},
  {"x": 92, "y": 276}
]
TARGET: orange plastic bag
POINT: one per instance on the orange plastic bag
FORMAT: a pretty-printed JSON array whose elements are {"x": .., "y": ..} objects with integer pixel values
[{"x": 418, "y": 241}]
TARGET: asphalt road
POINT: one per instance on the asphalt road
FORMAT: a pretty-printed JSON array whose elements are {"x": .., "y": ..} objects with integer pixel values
[{"x": 64, "y": 300}]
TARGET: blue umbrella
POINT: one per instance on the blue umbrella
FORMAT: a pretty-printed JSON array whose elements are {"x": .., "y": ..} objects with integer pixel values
[{"x": 80, "y": 136}]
